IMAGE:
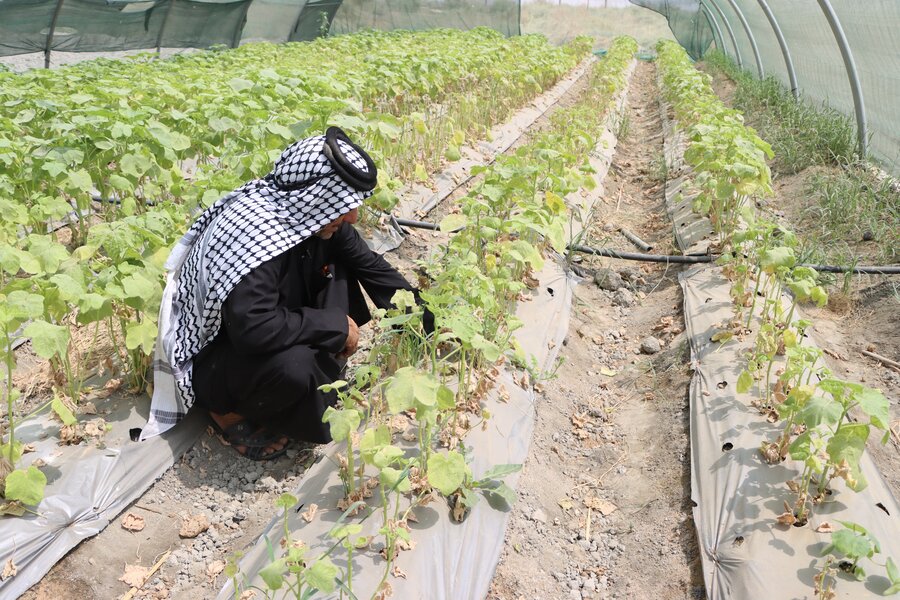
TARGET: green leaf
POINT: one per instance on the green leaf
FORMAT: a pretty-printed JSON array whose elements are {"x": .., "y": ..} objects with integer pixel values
[
  {"x": 48, "y": 340},
  {"x": 387, "y": 455},
  {"x": 744, "y": 382},
  {"x": 81, "y": 180},
  {"x": 773, "y": 258},
  {"x": 70, "y": 290},
  {"x": 874, "y": 404},
  {"x": 851, "y": 544},
  {"x": 321, "y": 575},
  {"x": 141, "y": 335},
  {"x": 62, "y": 411},
  {"x": 453, "y": 221},
  {"x": 410, "y": 387},
  {"x": 394, "y": 479},
  {"x": 893, "y": 574},
  {"x": 280, "y": 130},
  {"x": 848, "y": 444},
  {"x": 342, "y": 422},
  {"x": 286, "y": 501},
  {"x": 26, "y": 486},
  {"x": 499, "y": 471},
  {"x": 20, "y": 305},
  {"x": 273, "y": 574},
  {"x": 505, "y": 492},
  {"x": 447, "y": 472},
  {"x": 818, "y": 410},
  {"x": 372, "y": 441},
  {"x": 452, "y": 154},
  {"x": 239, "y": 85},
  {"x": 139, "y": 290}
]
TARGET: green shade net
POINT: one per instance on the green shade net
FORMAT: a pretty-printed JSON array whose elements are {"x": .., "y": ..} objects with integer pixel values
[
  {"x": 688, "y": 24},
  {"x": 96, "y": 25},
  {"x": 502, "y": 15},
  {"x": 100, "y": 25}
]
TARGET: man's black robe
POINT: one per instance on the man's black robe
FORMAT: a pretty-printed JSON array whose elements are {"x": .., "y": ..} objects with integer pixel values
[{"x": 282, "y": 324}]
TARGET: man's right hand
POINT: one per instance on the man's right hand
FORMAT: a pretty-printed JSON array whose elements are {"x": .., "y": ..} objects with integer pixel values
[{"x": 352, "y": 339}]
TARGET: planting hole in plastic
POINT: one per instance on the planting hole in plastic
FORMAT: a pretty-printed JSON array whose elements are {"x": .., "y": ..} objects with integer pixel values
[
  {"x": 882, "y": 507},
  {"x": 725, "y": 448},
  {"x": 550, "y": 291},
  {"x": 707, "y": 300},
  {"x": 722, "y": 385},
  {"x": 738, "y": 541}
]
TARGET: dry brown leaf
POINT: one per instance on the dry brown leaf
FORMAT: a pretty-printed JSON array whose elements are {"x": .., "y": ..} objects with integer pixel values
[
  {"x": 135, "y": 575},
  {"x": 70, "y": 435},
  {"x": 787, "y": 517},
  {"x": 248, "y": 595},
  {"x": 605, "y": 507},
  {"x": 385, "y": 591},
  {"x": 132, "y": 522},
  {"x": 214, "y": 568},
  {"x": 87, "y": 408},
  {"x": 95, "y": 428},
  {"x": 26, "y": 448},
  {"x": 194, "y": 526},
  {"x": 398, "y": 572},
  {"x": 825, "y": 527},
  {"x": 9, "y": 570},
  {"x": 310, "y": 514},
  {"x": 565, "y": 504}
]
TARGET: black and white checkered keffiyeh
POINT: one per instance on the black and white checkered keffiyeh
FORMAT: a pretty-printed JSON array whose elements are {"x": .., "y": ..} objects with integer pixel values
[{"x": 251, "y": 225}]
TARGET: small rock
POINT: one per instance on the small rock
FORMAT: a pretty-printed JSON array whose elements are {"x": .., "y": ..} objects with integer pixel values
[
  {"x": 607, "y": 279},
  {"x": 623, "y": 297},
  {"x": 650, "y": 345},
  {"x": 268, "y": 482},
  {"x": 539, "y": 516}
]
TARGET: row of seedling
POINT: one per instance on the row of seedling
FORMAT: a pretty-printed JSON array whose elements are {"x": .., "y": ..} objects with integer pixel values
[{"x": 759, "y": 258}]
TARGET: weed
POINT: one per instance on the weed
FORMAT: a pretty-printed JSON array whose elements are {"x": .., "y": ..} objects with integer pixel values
[{"x": 802, "y": 134}]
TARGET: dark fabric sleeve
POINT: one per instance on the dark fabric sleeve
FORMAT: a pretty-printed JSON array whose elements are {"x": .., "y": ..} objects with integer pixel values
[
  {"x": 257, "y": 324},
  {"x": 374, "y": 273}
]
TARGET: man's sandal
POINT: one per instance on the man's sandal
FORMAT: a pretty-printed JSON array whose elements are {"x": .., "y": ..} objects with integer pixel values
[{"x": 254, "y": 439}]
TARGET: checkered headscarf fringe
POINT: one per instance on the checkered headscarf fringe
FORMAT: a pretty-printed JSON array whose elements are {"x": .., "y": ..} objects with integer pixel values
[{"x": 251, "y": 225}]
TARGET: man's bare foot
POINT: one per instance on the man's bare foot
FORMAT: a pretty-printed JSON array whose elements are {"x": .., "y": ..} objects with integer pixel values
[{"x": 247, "y": 439}]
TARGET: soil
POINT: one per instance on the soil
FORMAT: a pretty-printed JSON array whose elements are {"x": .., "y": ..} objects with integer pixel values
[{"x": 604, "y": 509}]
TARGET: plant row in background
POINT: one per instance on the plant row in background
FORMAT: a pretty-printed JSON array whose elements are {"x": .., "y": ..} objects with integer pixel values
[
  {"x": 405, "y": 414},
  {"x": 129, "y": 131},
  {"x": 819, "y": 138},
  {"x": 758, "y": 256}
]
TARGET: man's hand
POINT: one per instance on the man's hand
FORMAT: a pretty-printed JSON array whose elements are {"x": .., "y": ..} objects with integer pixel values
[{"x": 352, "y": 339}]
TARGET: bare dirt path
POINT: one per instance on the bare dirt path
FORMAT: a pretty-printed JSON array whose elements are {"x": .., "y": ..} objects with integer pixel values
[{"x": 604, "y": 508}]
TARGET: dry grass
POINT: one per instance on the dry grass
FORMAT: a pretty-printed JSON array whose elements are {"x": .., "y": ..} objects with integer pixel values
[{"x": 563, "y": 22}]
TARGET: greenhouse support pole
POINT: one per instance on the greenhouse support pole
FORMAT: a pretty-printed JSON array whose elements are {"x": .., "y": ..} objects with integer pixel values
[
  {"x": 850, "y": 66},
  {"x": 50, "y": 32},
  {"x": 717, "y": 31},
  {"x": 737, "y": 51},
  {"x": 162, "y": 28},
  {"x": 785, "y": 51},
  {"x": 519, "y": 16},
  {"x": 743, "y": 19}
]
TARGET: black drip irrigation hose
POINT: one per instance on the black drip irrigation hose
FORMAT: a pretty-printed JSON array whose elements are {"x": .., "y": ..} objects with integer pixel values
[{"x": 677, "y": 259}]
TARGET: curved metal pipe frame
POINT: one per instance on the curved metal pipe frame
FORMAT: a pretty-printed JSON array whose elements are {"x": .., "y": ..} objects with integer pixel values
[
  {"x": 51, "y": 29},
  {"x": 785, "y": 51},
  {"x": 850, "y": 66},
  {"x": 737, "y": 50},
  {"x": 714, "y": 25},
  {"x": 743, "y": 20}
]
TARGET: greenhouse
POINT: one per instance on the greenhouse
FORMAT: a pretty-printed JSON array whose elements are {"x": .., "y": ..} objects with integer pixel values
[{"x": 449, "y": 299}]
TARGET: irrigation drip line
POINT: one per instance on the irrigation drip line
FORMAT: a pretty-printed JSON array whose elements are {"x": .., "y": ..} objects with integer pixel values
[
  {"x": 631, "y": 237},
  {"x": 670, "y": 258}
]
